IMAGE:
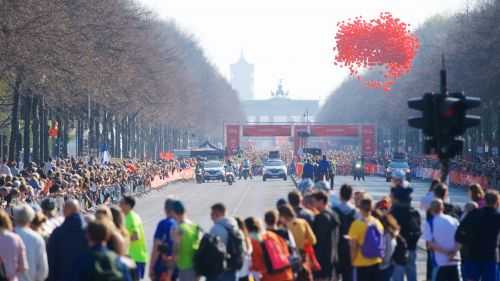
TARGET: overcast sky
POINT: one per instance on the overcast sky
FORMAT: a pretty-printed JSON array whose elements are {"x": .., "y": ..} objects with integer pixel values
[{"x": 285, "y": 39}]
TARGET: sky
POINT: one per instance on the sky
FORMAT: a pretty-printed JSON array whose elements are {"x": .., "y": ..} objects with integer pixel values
[{"x": 289, "y": 40}]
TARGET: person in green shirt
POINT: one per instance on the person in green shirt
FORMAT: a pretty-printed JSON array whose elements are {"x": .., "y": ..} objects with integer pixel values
[
  {"x": 187, "y": 239},
  {"x": 137, "y": 250}
]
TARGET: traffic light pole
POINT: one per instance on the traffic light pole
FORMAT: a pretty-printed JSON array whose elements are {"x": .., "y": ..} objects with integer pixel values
[
  {"x": 444, "y": 159},
  {"x": 444, "y": 121}
]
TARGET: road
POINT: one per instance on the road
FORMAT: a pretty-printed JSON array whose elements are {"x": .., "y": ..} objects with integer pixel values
[{"x": 251, "y": 198}]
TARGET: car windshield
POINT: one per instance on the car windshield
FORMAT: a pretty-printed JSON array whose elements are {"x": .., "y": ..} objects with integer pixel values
[
  {"x": 274, "y": 163},
  {"x": 399, "y": 165},
  {"x": 213, "y": 165}
]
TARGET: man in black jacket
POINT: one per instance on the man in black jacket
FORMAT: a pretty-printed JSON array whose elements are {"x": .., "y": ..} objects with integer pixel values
[
  {"x": 67, "y": 243},
  {"x": 325, "y": 228},
  {"x": 409, "y": 220},
  {"x": 478, "y": 234}
]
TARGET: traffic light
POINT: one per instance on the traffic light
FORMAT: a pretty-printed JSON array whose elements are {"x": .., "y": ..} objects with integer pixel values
[
  {"x": 464, "y": 120},
  {"x": 444, "y": 120},
  {"x": 426, "y": 105},
  {"x": 427, "y": 122}
]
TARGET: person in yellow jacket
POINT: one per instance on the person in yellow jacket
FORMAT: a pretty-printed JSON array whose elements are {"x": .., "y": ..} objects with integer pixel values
[
  {"x": 366, "y": 269},
  {"x": 300, "y": 228}
]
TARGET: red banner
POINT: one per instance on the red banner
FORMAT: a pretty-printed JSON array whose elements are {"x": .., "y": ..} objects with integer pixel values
[
  {"x": 368, "y": 142},
  {"x": 233, "y": 138},
  {"x": 334, "y": 131},
  {"x": 267, "y": 131}
]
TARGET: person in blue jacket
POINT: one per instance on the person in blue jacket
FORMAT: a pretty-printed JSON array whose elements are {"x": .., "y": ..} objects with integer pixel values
[
  {"x": 323, "y": 169},
  {"x": 308, "y": 171}
]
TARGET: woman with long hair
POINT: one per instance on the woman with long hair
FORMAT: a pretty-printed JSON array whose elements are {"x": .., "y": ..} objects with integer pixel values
[
  {"x": 13, "y": 255},
  {"x": 476, "y": 194},
  {"x": 117, "y": 241},
  {"x": 244, "y": 273},
  {"x": 391, "y": 234}
]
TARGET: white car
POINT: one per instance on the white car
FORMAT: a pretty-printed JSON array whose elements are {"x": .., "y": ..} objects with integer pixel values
[
  {"x": 274, "y": 169},
  {"x": 214, "y": 170}
]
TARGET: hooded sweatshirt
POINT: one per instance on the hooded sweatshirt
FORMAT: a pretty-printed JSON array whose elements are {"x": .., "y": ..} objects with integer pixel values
[
  {"x": 66, "y": 244},
  {"x": 221, "y": 227}
]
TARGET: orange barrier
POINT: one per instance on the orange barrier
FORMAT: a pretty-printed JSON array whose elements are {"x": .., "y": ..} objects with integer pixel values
[
  {"x": 185, "y": 174},
  {"x": 465, "y": 179},
  {"x": 370, "y": 169}
]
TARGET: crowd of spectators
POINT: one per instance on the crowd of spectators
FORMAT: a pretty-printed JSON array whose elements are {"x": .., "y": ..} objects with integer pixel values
[{"x": 88, "y": 181}]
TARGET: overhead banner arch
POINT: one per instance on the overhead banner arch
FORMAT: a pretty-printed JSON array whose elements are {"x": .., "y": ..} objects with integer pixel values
[{"x": 299, "y": 132}]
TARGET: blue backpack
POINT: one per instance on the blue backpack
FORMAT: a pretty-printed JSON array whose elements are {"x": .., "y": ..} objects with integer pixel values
[{"x": 374, "y": 244}]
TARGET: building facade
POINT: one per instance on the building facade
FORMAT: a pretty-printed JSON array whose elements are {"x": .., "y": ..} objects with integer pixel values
[
  {"x": 280, "y": 109},
  {"x": 242, "y": 78}
]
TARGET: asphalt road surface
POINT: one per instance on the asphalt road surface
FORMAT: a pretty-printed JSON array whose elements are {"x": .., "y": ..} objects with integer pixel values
[{"x": 254, "y": 198}]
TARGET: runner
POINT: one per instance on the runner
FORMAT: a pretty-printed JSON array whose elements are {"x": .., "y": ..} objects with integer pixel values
[
  {"x": 162, "y": 264},
  {"x": 133, "y": 223},
  {"x": 186, "y": 241}
]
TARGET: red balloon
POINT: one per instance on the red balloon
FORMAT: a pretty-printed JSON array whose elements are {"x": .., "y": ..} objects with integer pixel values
[{"x": 383, "y": 42}]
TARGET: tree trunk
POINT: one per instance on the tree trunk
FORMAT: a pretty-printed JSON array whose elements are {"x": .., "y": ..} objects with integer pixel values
[
  {"x": 27, "y": 121},
  {"x": 14, "y": 123},
  {"x": 65, "y": 135},
  {"x": 45, "y": 133},
  {"x": 35, "y": 130}
]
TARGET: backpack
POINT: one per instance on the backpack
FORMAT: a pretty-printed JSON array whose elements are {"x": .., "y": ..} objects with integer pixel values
[
  {"x": 373, "y": 246},
  {"x": 3, "y": 272},
  {"x": 210, "y": 259},
  {"x": 401, "y": 254},
  {"x": 234, "y": 249},
  {"x": 344, "y": 252},
  {"x": 412, "y": 231},
  {"x": 274, "y": 258},
  {"x": 104, "y": 267}
]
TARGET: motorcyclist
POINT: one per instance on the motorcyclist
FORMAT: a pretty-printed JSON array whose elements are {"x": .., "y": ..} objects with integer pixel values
[
  {"x": 199, "y": 165},
  {"x": 359, "y": 169},
  {"x": 229, "y": 168},
  {"x": 245, "y": 165}
]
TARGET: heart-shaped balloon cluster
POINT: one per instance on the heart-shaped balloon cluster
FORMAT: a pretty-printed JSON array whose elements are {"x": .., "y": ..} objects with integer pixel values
[{"x": 383, "y": 42}]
